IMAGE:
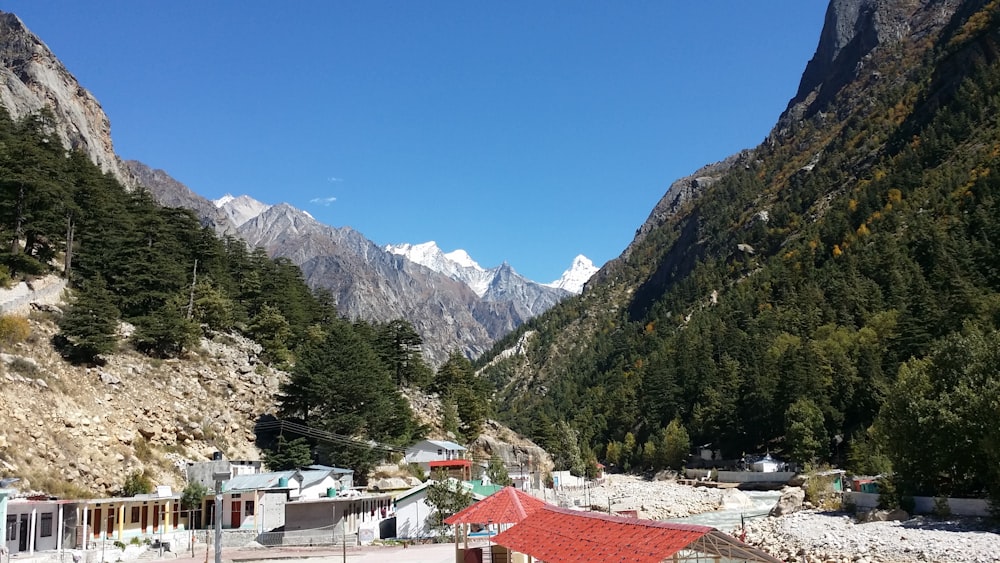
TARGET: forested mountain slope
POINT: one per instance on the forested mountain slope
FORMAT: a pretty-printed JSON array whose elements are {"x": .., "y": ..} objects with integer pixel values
[{"x": 771, "y": 300}]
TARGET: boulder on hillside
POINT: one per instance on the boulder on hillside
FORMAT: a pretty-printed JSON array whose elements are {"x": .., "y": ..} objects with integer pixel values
[{"x": 790, "y": 501}]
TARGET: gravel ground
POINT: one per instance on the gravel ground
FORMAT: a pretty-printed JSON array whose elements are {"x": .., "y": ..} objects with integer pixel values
[
  {"x": 656, "y": 500},
  {"x": 807, "y": 536}
]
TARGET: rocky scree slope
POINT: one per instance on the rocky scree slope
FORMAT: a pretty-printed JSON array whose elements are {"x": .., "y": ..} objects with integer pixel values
[{"x": 73, "y": 430}]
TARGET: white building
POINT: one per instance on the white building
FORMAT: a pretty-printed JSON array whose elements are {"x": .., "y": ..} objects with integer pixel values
[
  {"x": 413, "y": 512},
  {"x": 443, "y": 455}
]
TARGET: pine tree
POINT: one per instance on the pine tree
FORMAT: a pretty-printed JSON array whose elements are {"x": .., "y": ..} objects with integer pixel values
[
  {"x": 89, "y": 326},
  {"x": 288, "y": 454}
]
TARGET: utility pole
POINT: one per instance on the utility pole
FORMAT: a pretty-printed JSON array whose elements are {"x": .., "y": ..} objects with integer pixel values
[{"x": 219, "y": 479}]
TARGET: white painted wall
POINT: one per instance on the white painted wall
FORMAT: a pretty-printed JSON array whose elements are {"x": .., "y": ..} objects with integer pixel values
[{"x": 412, "y": 516}]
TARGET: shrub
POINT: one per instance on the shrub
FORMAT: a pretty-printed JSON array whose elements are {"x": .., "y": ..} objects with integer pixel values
[
  {"x": 142, "y": 451},
  {"x": 416, "y": 471},
  {"x": 24, "y": 367},
  {"x": 13, "y": 329},
  {"x": 137, "y": 483},
  {"x": 908, "y": 503},
  {"x": 942, "y": 509}
]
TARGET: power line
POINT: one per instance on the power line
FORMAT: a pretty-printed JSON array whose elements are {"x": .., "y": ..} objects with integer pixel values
[{"x": 324, "y": 436}]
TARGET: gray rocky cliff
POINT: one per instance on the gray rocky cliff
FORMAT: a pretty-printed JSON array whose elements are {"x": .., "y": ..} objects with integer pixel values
[
  {"x": 367, "y": 282},
  {"x": 32, "y": 78},
  {"x": 852, "y": 31}
]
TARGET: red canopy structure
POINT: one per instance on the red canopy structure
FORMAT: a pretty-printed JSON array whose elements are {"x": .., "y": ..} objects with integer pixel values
[
  {"x": 559, "y": 535},
  {"x": 506, "y": 506}
]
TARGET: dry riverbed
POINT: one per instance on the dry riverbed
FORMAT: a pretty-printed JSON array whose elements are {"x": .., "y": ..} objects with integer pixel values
[{"x": 808, "y": 535}]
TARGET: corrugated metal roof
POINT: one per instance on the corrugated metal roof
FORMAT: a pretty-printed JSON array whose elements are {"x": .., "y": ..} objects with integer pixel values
[
  {"x": 258, "y": 481},
  {"x": 327, "y": 468},
  {"x": 446, "y": 444},
  {"x": 483, "y": 488},
  {"x": 506, "y": 506},
  {"x": 310, "y": 478},
  {"x": 559, "y": 535}
]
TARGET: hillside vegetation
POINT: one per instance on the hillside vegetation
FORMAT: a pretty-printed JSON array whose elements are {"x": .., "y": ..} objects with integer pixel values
[{"x": 833, "y": 296}]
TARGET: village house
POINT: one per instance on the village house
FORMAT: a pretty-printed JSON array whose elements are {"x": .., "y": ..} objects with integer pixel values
[
  {"x": 440, "y": 455},
  {"x": 353, "y": 513},
  {"x": 42, "y": 523},
  {"x": 257, "y": 501}
]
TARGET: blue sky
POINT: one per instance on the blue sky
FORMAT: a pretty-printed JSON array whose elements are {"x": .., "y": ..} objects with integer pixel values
[{"x": 526, "y": 132}]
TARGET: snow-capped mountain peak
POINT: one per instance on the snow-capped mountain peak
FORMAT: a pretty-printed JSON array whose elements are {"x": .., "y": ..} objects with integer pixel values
[
  {"x": 457, "y": 264},
  {"x": 462, "y": 258},
  {"x": 240, "y": 209},
  {"x": 578, "y": 274}
]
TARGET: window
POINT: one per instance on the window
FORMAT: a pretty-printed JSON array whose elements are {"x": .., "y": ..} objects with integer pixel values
[
  {"x": 135, "y": 514},
  {"x": 249, "y": 508},
  {"x": 11, "y": 528},
  {"x": 46, "y": 529}
]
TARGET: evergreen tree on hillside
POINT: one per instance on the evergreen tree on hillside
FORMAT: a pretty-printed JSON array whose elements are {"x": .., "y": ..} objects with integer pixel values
[
  {"x": 89, "y": 326},
  {"x": 339, "y": 385}
]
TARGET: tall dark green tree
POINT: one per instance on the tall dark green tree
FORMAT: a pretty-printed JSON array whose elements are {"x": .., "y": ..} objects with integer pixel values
[
  {"x": 90, "y": 324},
  {"x": 338, "y": 384}
]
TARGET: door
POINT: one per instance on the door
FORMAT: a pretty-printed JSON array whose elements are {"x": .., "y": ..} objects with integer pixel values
[
  {"x": 156, "y": 517},
  {"x": 11, "y": 532},
  {"x": 236, "y": 515},
  {"x": 143, "y": 519},
  {"x": 97, "y": 522},
  {"x": 22, "y": 534},
  {"x": 111, "y": 522}
]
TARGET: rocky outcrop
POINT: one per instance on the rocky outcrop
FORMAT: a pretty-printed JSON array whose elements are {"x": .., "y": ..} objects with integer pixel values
[
  {"x": 32, "y": 78},
  {"x": 852, "y": 30},
  {"x": 512, "y": 449}
]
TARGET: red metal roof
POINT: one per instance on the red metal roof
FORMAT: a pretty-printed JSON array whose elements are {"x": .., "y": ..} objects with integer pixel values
[
  {"x": 506, "y": 506},
  {"x": 559, "y": 535}
]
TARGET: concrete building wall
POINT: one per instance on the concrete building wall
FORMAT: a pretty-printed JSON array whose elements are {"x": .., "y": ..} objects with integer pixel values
[
  {"x": 925, "y": 505},
  {"x": 272, "y": 511},
  {"x": 412, "y": 517}
]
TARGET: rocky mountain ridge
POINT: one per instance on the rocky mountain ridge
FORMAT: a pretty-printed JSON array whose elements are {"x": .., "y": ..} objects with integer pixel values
[
  {"x": 367, "y": 281},
  {"x": 458, "y": 265}
]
